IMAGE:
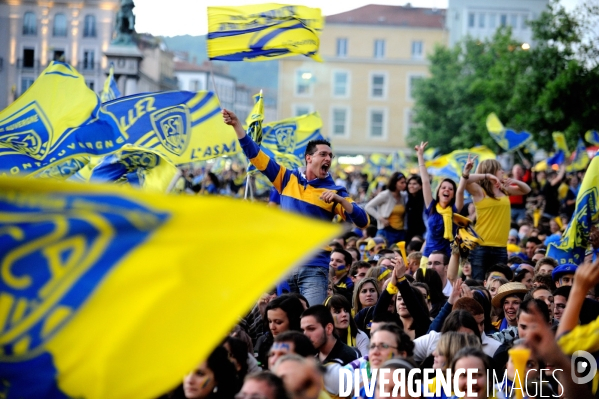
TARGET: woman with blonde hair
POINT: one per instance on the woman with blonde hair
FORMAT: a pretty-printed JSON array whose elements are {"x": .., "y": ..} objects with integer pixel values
[{"x": 490, "y": 189}]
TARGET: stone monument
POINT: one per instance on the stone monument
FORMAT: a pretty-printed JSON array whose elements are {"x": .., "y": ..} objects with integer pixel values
[{"x": 123, "y": 52}]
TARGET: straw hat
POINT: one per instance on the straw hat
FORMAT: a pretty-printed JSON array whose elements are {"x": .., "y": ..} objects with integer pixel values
[{"x": 507, "y": 290}]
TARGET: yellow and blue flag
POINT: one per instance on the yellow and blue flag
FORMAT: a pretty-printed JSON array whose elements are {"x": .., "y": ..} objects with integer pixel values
[
  {"x": 290, "y": 161},
  {"x": 181, "y": 126},
  {"x": 592, "y": 136},
  {"x": 56, "y": 125},
  {"x": 575, "y": 240},
  {"x": 508, "y": 139},
  {"x": 291, "y": 136},
  {"x": 111, "y": 89},
  {"x": 263, "y": 32},
  {"x": 255, "y": 119},
  {"x": 559, "y": 143},
  {"x": 109, "y": 292},
  {"x": 451, "y": 165},
  {"x": 581, "y": 158},
  {"x": 379, "y": 160}
]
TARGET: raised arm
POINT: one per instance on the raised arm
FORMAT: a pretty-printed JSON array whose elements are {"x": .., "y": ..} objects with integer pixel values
[
  {"x": 231, "y": 119},
  {"x": 426, "y": 181},
  {"x": 516, "y": 187},
  {"x": 459, "y": 197},
  {"x": 560, "y": 175}
]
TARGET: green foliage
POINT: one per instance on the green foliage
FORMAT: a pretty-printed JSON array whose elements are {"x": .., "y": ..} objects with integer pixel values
[{"x": 550, "y": 87}]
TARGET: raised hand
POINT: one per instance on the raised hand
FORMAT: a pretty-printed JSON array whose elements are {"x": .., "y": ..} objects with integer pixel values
[
  {"x": 469, "y": 165},
  {"x": 420, "y": 148},
  {"x": 398, "y": 267},
  {"x": 455, "y": 293},
  {"x": 229, "y": 117}
]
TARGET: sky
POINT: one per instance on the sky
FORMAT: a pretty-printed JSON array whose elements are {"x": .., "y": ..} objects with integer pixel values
[{"x": 189, "y": 17}]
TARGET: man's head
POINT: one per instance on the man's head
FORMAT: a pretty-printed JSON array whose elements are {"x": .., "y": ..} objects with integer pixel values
[
  {"x": 414, "y": 262},
  {"x": 301, "y": 376},
  {"x": 317, "y": 323},
  {"x": 560, "y": 297},
  {"x": 499, "y": 270},
  {"x": 563, "y": 275},
  {"x": 290, "y": 342},
  {"x": 340, "y": 262},
  {"x": 545, "y": 265},
  {"x": 439, "y": 261},
  {"x": 358, "y": 271},
  {"x": 374, "y": 245},
  {"x": 525, "y": 318},
  {"x": 531, "y": 246},
  {"x": 262, "y": 385},
  {"x": 318, "y": 159}
]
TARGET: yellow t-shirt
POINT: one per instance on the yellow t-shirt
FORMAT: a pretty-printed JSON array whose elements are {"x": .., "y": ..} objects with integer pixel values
[
  {"x": 493, "y": 218},
  {"x": 396, "y": 217}
]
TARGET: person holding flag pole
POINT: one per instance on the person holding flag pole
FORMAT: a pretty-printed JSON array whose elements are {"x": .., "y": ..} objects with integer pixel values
[{"x": 310, "y": 191}]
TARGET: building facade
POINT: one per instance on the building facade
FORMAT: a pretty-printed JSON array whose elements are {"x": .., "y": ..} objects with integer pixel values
[
  {"x": 34, "y": 33},
  {"x": 481, "y": 18},
  {"x": 363, "y": 91}
]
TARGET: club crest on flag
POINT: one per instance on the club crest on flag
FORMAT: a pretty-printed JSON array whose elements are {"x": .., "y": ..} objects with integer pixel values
[
  {"x": 67, "y": 167},
  {"x": 285, "y": 136},
  {"x": 173, "y": 126},
  {"x": 27, "y": 131},
  {"x": 65, "y": 248}
]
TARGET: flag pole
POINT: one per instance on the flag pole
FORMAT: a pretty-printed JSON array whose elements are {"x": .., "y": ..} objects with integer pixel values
[{"x": 214, "y": 85}]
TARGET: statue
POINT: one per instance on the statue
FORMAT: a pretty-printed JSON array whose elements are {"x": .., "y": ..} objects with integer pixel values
[{"x": 125, "y": 23}]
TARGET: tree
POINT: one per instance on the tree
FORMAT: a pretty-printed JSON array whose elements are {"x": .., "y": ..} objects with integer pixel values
[{"x": 550, "y": 87}]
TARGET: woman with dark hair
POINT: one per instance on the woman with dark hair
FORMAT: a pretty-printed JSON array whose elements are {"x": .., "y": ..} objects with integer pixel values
[
  {"x": 214, "y": 378},
  {"x": 238, "y": 355},
  {"x": 440, "y": 230},
  {"x": 435, "y": 285},
  {"x": 282, "y": 314},
  {"x": 211, "y": 184},
  {"x": 415, "y": 209},
  {"x": 411, "y": 308},
  {"x": 490, "y": 189},
  {"x": 345, "y": 326},
  {"x": 389, "y": 209}
]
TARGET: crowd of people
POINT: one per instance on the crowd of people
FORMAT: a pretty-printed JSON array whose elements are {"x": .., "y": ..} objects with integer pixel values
[{"x": 424, "y": 280}]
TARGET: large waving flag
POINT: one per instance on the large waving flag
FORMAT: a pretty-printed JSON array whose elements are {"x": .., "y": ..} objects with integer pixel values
[
  {"x": 452, "y": 164},
  {"x": 291, "y": 136},
  {"x": 99, "y": 296},
  {"x": 507, "y": 139},
  {"x": 55, "y": 125},
  {"x": 263, "y": 32},
  {"x": 180, "y": 125},
  {"x": 575, "y": 240},
  {"x": 111, "y": 89}
]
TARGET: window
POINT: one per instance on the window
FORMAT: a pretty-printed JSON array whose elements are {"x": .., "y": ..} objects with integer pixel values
[
  {"x": 89, "y": 26},
  {"x": 503, "y": 20},
  {"x": 29, "y": 24},
  {"x": 58, "y": 55},
  {"x": 340, "y": 123},
  {"x": 377, "y": 124},
  {"x": 90, "y": 84},
  {"x": 471, "y": 20},
  {"x": 481, "y": 20},
  {"x": 409, "y": 124},
  {"x": 379, "y": 48},
  {"x": 25, "y": 84},
  {"x": 492, "y": 23},
  {"x": 301, "y": 109},
  {"x": 60, "y": 26},
  {"x": 194, "y": 85},
  {"x": 524, "y": 22},
  {"x": 303, "y": 86},
  {"x": 417, "y": 49},
  {"x": 341, "y": 47},
  {"x": 28, "y": 58},
  {"x": 514, "y": 20},
  {"x": 411, "y": 84},
  {"x": 88, "y": 59},
  {"x": 340, "y": 84},
  {"x": 377, "y": 86}
]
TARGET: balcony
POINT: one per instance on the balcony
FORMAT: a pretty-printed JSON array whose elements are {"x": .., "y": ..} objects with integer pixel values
[{"x": 28, "y": 64}]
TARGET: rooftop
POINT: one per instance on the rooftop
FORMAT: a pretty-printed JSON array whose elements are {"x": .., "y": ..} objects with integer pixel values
[{"x": 406, "y": 16}]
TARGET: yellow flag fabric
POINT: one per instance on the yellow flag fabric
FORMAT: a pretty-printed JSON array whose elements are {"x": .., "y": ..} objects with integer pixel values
[
  {"x": 111, "y": 89},
  {"x": 58, "y": 119},
  {"x": 575, "y": 240},
  {"x": 255, "y": 118},
  {"x": 559, "y": 142},
  {"x": 452, "y": 164},
  {"x": 108, "y": 292},
  {"x": 291, "y": 135},
  {"x": 263, "y": 32}
]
